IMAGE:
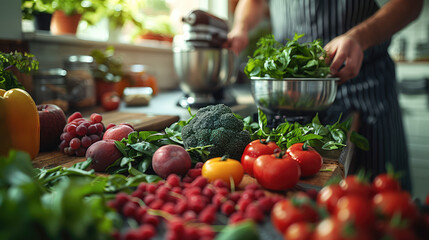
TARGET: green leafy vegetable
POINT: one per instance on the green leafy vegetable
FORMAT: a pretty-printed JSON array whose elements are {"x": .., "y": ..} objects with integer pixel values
[
  {"x": 25, "y": 63},
  {"x": 296, "y": 60},
  {"x": 326, "y": 137},
  {"x": 74, "y": 208}
]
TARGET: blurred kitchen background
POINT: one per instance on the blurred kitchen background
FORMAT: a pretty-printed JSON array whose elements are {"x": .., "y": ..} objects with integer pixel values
[{"x": 139, "y": 34}]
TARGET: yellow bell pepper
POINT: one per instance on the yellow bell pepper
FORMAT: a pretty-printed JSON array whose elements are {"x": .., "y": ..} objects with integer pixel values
[{"x": 19, "y": 122}]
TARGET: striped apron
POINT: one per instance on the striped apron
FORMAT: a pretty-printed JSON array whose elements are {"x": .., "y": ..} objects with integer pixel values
[{"x": 372, "y": 93}]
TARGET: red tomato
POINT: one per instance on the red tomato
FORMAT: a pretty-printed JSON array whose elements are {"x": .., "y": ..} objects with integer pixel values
[
  {"x": 329, "y": 196},
  {"x": 255, "y": 149},
  {"x": 385, "y": 182},
  {"x": 353, "y": 184},
  {"x": 276, "y": 172},
  {"x": 309, "y": 160},
  {"x": 356, "y": 209},
  {"x": 390, "y": 231},
  {"x": 110, "y": 101},
  {"x": 287, "y": 212},
  {"x": 299, "y": 231},
  {"x": 332, "y": 229},
  {"x": 391, "y": 203}
]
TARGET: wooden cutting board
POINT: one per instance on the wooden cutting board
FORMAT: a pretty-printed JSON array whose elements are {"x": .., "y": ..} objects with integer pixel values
[{"x": 140, "y": 121}]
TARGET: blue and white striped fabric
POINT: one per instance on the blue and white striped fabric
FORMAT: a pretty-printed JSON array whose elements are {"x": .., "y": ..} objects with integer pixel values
[{"x": 373, "y": 92}]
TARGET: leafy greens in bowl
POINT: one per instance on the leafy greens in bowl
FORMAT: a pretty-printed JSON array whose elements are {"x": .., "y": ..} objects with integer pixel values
[{"x": 292, "y": 60}]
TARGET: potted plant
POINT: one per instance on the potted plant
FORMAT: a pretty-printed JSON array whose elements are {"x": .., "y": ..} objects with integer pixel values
[
  {"x": 107, "y": 71},
  {"x": 39, "y": 11}
]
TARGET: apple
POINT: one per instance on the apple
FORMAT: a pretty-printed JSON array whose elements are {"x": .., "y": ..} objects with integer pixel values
[
  {"x": 52, "y": 122},
  {"x": 118, "y": 132}
]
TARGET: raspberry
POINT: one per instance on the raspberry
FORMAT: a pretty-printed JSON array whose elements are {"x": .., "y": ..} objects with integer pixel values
[
  {"x": 235, "y": 196},
  {"x": 148, "y": 199},
  {"x": 243, "y": 203},
  {"x": 187, "y": 179},
  {"x": 208, "y": 191},
  {"x": 222, "y": 191},
  {"x": 147, "y": 231},
  {"x": 140, "y": 213},
  {"x": 156, "y": 204},
  {"x": 248, "y": 195},
  {"x": 96, "y": 118},
  {"x": 191, "y": 191},
  {"x": 194, "y": 173},
  {"x": 151, "y": 219},
  {"x": 189, "y": 215},
  {"x": 218, "y": 199},
  {"x": 162, "y": 193},
  {"x": 191, "y": 233},
  {"x": 236, "y": 218},
  {"x": 74, "y": 116},
  {"x": 227, "y": 207},
  {"x": 177, "y": 227},
  {"x": 151, "y": 188},
  {"x": 138, "y": 193},
  {"x": 208, "y": 215},
  {"x": 129, "y": 209},
  {"x": 113, "y": 204},
  {"x": 173, "y": 180},
  {"x": 259, "y": 194},
  {"x": 169, "y": 208},
  {"x": 219, "y": 183},
  {"x": 197, "y": 203},
  {"x": 159, "y": 184},
  {"x": 266, "y": 204},
  {"x": 199, "y": 165},
  {"x": 142, "y": 186},
  {"x": 252, "y": 187},
  {"x": 200, "y": 182},
  {"x": 181, "y": 206},
  {"x": 122, "y": 198},
  {"x": 254, "y": 212}
]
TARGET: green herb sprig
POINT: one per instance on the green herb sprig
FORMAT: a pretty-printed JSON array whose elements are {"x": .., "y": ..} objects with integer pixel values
[
  {"x": 292, "y": 60},
  {"x": 24, "y": 62}
]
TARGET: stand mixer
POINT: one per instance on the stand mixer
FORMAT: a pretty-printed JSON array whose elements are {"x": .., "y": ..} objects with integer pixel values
[{"x": 202, "y": 65}]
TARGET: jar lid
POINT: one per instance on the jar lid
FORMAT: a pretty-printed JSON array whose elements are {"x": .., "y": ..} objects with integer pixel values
[
  {"x": 54, "y": 72},
  {"x": 138, "y": 68},
  {"x": 80, "y": 59}
]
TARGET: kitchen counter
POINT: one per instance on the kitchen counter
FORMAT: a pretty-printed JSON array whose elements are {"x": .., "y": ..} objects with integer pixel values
[{"x": 166, "y": 103}]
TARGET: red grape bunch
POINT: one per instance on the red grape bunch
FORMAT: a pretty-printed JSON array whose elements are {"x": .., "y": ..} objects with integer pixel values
[{"x": 80, "y": 133}]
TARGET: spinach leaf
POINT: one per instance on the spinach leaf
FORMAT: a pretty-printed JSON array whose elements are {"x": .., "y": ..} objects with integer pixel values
[{"x": 293, "y": 60}]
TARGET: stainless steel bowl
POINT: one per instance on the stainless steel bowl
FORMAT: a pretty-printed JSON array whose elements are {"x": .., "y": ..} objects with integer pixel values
[
  {"x": 203, "y": 70},
  {"x": 293, "y": 94}
]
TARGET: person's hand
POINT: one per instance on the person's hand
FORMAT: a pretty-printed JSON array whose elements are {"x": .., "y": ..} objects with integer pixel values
[
  {"x": 237, "y": 41},
  {"x": 346, "y": 57}
]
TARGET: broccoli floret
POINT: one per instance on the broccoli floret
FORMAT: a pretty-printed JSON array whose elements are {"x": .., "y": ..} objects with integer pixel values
[{"x": 216, "y": 125}]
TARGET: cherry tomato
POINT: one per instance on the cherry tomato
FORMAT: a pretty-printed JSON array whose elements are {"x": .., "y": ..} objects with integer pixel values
[
  {"x": 395, "y": 232},
  {"x": 223, "y": 168},
  {"x": 332, "y": 229},
  {"x": 329, "y": 196},
  {"x": 110, "y": 101},
  {"x": 289, "y": 211},
  {"x": 276, "y": 172},
  {"x": 354, "y": 184},
  {"x": 356, "y": 209},
  {"x": 309, "y": 160},
  {"x": 385, "y": 182},
  {"x": 255, "y": 149},
  {"x": 390, "y": 203},
  {"x": 299, "y": 231}
]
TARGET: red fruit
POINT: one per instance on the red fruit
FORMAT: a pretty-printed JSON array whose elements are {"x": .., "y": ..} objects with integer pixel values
[
  {"x": 199, "y": 165},
  {"x": 354, "y": 184},
  {"x": 228, "y": 207},
  {"x": 243, "y": 203},
  {"x": 129, "y": 209},
  {"x": 181, "y": 206},
  {"x": 385, "y": 182},
  {"x": 388, "y": 204},
  {"x": 118, "y": 132},
  {"x": 329, "y": 196},
  {"x": 309, "y": 160},
  {"x": 200, "y": 182},
  {"x": 148, "y": 199},
  {"x": 103, "y": 154},
  {"x": 151, "y": 219},
  {"x": 170, "y": 159},
  {"x": 219, "y": 183},
  {"x": 254, "y": 212},
  {"x": 110, "y": 125},
  {"x": 189, "y": 215},
  {"x": 151, "y": 188},
  {"x": 96, "y": 118},
  {"x": 169, "y": 208},
  {"x": 255, "y": 149},
  {"x": 52, "y": 122},
  {"x": 173, "y": 180},
  {"x": 356, "y": 209},
  {"x": 266, "y": 204},
  {"x": 110, "y": 101},
  {"x": 208, "y": 215},
  {"x": 156, "y": 204},
  {"x": 236, "y": 218},
  {"x": 299, "y": 231},
  {"x": 197, "y": 203},
  {"x": 208, "y": 191},
  {"x": 147, "y": 231},
  {"x": 194, "y": 173},
  {"x": 74, "y": 116}
]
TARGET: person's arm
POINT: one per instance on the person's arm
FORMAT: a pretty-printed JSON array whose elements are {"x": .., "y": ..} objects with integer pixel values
[
  {"x": 348, "y": 48},
  {"x": 247, "y": 15}
]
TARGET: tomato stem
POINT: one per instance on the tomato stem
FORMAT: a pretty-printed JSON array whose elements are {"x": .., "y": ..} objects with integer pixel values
[
  {"x": 305, "y": 146},
  {"x": 224, "y": 158}
]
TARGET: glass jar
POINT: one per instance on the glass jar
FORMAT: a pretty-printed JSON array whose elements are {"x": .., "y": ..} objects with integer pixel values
[
  {"x": 141, "y": 77},
  {"x": 50, "y": 88},
  {"x": 80, "y": 82}
]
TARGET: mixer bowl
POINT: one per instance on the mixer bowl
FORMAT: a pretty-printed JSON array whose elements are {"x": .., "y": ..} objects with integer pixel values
[
  {"x": 203, "y": 70},
  {"x": 276, "y": 96}
]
